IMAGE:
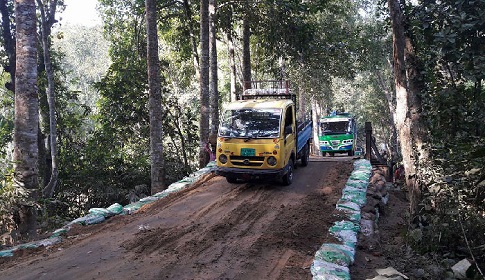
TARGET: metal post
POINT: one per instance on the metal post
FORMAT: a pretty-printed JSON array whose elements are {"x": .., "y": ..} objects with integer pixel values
[{"x": 368, "y": 139}]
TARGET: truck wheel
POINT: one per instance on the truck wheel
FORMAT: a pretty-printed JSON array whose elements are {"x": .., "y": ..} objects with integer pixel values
[
  {"x": 331, "y": 154},
  {"x": 288, "y": 177},
  {"x": 351, "y": 153},
  {"x": 231, "y": 179},
  {"x": 306, "y": 155}
]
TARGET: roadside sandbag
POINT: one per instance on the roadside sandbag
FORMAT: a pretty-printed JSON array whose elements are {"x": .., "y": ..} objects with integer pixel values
[
  {"x": 89, "y": 219},
  {"x": 149, "y": 199},
  {"x": 61, "y": 231},
  {"x": 351, "y": 210},
  {"x": 7, "y": 253},
  {"x": 360, "y": 184},
  {"x": 132, "y": 207},
  {"x": 346, "y": 205},
  {"x": 112, "y": 210},
  {"x": 336, "y": 253},
  {"x": 322, "y": 270},
  {"x": 354, "y": 195},
  {"x": 346, "y": 232},
  {"x": 116, "y": 208},
  {"x": 31, "y": 245}
]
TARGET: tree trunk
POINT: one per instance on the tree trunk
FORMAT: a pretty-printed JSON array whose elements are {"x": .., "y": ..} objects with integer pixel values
[
  {"x": 47, "y": 20},
  {"x": 157, "y": 175},
  {"x": 214, "y": 81},
  {"x": 419, "y": 129},
  {"x": 232, "y": 65},
  {"x": 204, "y": 83},
  {"x": 403, "y": 121},
  {"x": 8, "y": 44},
  {"x": 188, "y": 15},
  {"x": 246, "y": 51},
  {"x": 26, "y": 121}
]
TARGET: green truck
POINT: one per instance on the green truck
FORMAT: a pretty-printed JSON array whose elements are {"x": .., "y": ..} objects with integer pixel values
[{"x": 337, "y": 133}]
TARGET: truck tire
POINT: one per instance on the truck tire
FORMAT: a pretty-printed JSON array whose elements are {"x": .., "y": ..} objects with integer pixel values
[
  {"x": 288, "y": 177},
  {"x": 306, "y": 155},
  {"x": 351, "y": 153}
]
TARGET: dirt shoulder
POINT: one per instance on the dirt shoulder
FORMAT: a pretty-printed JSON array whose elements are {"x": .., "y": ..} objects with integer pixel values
[
  {"x": 386, "y": 247},
  {"x": 214, "y": 230}
]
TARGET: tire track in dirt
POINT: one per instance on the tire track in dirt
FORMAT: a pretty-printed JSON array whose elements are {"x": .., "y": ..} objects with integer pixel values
[{"x": 213, "y": 230}]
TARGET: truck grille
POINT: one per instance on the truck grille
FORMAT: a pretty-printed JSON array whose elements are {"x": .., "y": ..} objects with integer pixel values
[
  {"x": 335, "y": 142},
  {"x": 247, "y": 161}
]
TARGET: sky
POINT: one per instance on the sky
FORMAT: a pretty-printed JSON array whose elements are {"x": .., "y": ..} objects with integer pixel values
[{"x": 82, "y": 12}]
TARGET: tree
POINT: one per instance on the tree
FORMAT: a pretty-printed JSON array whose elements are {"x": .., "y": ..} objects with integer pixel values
[
  {"x": 155, "y": 100},
  {"x": 204, "y": 83},
  {"x": 412, "y": 131},
  {"x": 9, "y": 42},
  {"x": 213, "y": 78},
  {"x": 400, "y": 81},
  {"x": 26, "y": 114},
  {"x": 246, "y": 49},
  {"x": 47, "y": 13},
  {"x": 193, "y": 40}
]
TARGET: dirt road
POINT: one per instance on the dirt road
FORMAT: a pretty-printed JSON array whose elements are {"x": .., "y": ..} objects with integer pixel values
[{"x": 212, "y": 230}]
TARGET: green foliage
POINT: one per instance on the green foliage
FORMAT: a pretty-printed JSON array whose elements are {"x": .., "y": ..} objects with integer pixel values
[
  {"x": 85, "y": 59},
  {"x": 454, "y": 202},
  {"x": 6, "y": 117},
  {"x": 449, "y": 41},
  {"x": 10, "y": 197}
]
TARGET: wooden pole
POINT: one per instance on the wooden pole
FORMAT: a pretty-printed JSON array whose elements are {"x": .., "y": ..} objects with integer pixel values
[{"x": 368, "y": 139}]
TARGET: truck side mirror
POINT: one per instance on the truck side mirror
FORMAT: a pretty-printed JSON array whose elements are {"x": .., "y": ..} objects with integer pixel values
[{"x": 288, "y": 130}]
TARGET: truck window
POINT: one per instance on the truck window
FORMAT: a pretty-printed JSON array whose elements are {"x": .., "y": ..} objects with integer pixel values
[{"x": 289, "y": 116}]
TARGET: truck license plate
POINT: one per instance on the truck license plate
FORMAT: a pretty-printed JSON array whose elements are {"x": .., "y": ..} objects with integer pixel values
[{"x": 248, "y": 152}]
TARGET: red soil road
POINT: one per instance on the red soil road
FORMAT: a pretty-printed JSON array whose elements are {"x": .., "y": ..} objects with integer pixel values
[{"x": 211, "y": 230}]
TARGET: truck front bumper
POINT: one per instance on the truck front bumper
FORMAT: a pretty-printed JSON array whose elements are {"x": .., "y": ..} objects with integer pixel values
[
  {"x": 251, "y": 174},
  {"x": 336, "y": 149}
]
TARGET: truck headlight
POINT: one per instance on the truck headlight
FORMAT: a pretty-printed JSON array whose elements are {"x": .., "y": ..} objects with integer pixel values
[
  {"x": 272, "y": 161},
  {"x": 223, "y": 159}
]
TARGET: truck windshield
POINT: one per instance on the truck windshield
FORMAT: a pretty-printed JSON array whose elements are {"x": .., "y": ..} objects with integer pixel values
[
  {"x": 250, "y": 123},
  {"x": 340, "y": 127}
]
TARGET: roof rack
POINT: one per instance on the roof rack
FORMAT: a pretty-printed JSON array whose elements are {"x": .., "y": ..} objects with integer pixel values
[{"x": 267, "y": 89}]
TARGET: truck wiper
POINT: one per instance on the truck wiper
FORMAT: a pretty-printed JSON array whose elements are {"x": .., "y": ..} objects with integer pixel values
[{"x": 273, "y": 134}]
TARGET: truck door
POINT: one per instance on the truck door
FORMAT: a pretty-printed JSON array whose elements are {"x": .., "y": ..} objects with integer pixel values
[{"x": 290, "y": 138}]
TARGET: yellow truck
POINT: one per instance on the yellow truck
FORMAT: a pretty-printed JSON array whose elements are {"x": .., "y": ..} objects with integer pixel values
[{"x": 259, "y": 137}]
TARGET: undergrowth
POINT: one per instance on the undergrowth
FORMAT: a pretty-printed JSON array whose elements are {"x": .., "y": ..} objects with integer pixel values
[{"x": 452, "y": 220}]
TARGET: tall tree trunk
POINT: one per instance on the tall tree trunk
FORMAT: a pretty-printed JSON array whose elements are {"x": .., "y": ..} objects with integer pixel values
[
  {"x": 232, "y": 65},
  {"x": 8, "y": 44},
  {"x": 47, "y": 20},
  {"x": 25, "y": 154},
  {"x": 193, "y": 38},
  {"x": 157, "y": 175},
  {"x": 204, "y": 83},
  {"x": 419, "y": 129},
  {"x": 246, "y": 50},
  {"x": 213, "y": 79},
  {"x": 403, "y": 121}
]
